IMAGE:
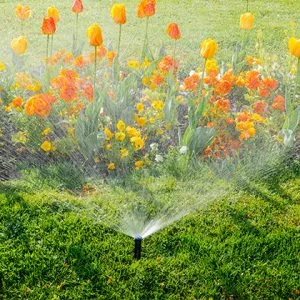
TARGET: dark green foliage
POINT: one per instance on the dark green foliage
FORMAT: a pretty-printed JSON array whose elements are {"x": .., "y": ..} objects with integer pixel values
[{"x": 245, "y": 246}]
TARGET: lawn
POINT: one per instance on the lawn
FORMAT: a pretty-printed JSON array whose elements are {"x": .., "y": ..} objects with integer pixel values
[
  {"x": 219, "y": 19},
  {"x": 244, "y": 246}
]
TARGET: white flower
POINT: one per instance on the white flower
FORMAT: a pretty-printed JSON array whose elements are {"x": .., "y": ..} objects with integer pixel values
[
  {"x": 192, "y": 73},
  {"x": 183, "y": 150},
  {"x": 154, "y": 146},
  {"x": 159, "y": 158}
]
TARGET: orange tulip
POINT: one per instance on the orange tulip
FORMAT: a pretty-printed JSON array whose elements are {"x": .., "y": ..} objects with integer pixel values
[
  {"x": 53, "y": 12},
  {"x": 19, "y": 45},
  {"x": 173, "y": 31},
  {"x": 77, "y": 6},
  {"x": 146, "y": 8},
  {"x": 209, "y": 48},
  {"x": 118, "y": 13},
  {"x": 246, "y": 21},
  {"x": 294, "y": 47},
  {"x": 23, "y": 12},
  {"x": 48, "y": 26},
  {"x": 94, "y": 33}
]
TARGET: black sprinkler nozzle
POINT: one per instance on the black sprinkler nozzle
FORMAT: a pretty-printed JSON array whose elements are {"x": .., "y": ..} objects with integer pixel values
[{"x": 137, "y": 247}]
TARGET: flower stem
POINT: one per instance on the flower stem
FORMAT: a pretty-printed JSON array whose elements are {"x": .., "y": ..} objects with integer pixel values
[
  {"x": 76, "y": 31},
  {"x": 51, "y": 46},
  {"x": 47, "y": 48},
  {"x": 95, "y": 70},
  {"x": 146, "y": 40},
  {"x": 247, "y": 5},
  {"x": 119, "y": 42}
]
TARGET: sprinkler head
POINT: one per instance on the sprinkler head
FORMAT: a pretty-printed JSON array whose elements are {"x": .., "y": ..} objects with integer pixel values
[{"x": 137, "y": 247}]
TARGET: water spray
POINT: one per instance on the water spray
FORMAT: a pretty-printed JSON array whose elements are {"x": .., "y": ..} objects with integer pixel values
[{"x": 137, "y": 247}]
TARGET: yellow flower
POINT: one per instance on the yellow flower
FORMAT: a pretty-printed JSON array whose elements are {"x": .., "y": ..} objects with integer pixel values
[
  {"x": 121, "y": 125},
  {"x": 46, "y": 146},
  {"x": 211, "y": 66},
  {"x": 111, "y": 166},
  {"x": 108, "y": 133},
  {"x": 152, "y": 120},
  {"x": 7, "y": 109},
  {"x": 141, "y": 121},
  {"x": 20, "y": 137},
  {"x": 96, "y": 159},
  {"x": 133, "y": 64},
  {"x": 131, "y": 131},
  {"x": 138, "y": 142},
  {"x": 146, "y": 81},
  {"x": 2, "y": 66},
  {"x": 108, "y": 147},
  {"x": 71, "y": 132},
  {"x": 294, "y": 47},
  {"x": 19, "y": 45},
  {"x": 209, "y": 48},
  {"x": 139, "y": 164},
  {"x": 146, "y": 63},
  {"x": 46, "y": 131},
  {"x": 53, "y": 12},
  {"x": 124, "y": 153},
  {"x": 158, "y": 105},
  {"x": 159, "y": 131},
  {"x": 120, "y": 136},
  {"x": 246, "y": 21},
  {"x": 140, "y": 107}
]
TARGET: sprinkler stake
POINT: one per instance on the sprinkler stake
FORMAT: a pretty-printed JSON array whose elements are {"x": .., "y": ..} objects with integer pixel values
[{"x": 137, "y": 247}]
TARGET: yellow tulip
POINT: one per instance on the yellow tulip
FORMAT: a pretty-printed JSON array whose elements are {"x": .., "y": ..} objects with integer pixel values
[
  {"x": 246, "y": 21},
  {"x": 118, "y": 13},
  {"x": 53, "y": 12},
  {"x": 19, "y": 45},
  {"x": 209, "y": 48},
  {"x": 94, "y": 33},
  {"x": 294, "y": 47}
]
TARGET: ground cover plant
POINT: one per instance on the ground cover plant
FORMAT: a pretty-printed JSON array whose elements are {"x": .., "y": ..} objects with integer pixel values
[{"x": 97, "y": 142}]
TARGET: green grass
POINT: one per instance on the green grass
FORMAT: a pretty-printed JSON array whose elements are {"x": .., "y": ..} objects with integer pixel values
[
  {"x": 243, "y": 246},
  {"x": 219, "y": 19}
]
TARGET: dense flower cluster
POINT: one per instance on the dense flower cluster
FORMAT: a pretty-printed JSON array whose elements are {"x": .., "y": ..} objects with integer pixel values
[{"x": 81, "y": 106}]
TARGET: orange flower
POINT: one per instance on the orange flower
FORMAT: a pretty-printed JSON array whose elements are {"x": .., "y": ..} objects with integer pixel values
[
  {"x": 23, "y": 12},
  {"x": 260, "y": 107},
  {"x": 223, "y": 87},
  {"x": 243, "y": 116},
  {"x": 118, "y": 13},
  {"x": 19, "y": 45},
  {"x": 79, "y": 62},
  {"x": 88, "y": 92},
  {"x": 168, "y": 63},
  {"x": 246, "y": 21},
  {"x": 146, "y": 8},
  {"x": 191, "y": 83},
  {"x": 38, "y": 105},
  {"x": 110, "y": 56},
  {"x": 48, "y": 26},
  {"x": 209, "y": 48},
  {"x": 53, "y": 12},
  {"x": 174, "y": 31},
  {"x": 94, "y": 34},
  {"x": 77, "y": 6},
  {"x": 17, "y": 102},
  {"x": 223, "y": 105},
  {"x": 270, "y": 84},
  {"x": 252, "y": 80},
  {"x": 68, "y": 93},
  {"x": 294, "y": 47},
  {"x": 279, "y": 103}
]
